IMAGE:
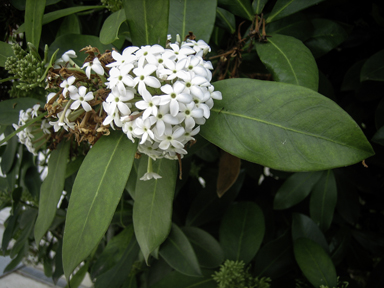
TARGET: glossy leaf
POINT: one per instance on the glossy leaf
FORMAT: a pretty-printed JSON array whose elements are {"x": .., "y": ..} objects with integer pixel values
[
  {"x": 284, "y": 8},
  {"x": 5, "y": 52},
  {"x": 297, "y": 25},
  {"x": 315, "y": 263},
  {"x": 373, "y": 68},
  {"x": 152, "y": 209},
  {"x": 226, "y": 20},
  {"x": 78, "y": 277},
  {"x": 275, "y": 258},
  {"x": 177, "y": 251},
  {"x": 207, "y": 249},
  {"x": 52, "y": 16},
  {"x": 147, "y": 21},
  {"x": 242, "y": 231},
  {"x": 70, "y": 25},
  {"x": 119, "y": 274},
  {"x": 110, "y": 30},
  {"x": 327, "y": 35},
  {"x": 9, "y": 156},
  {"x": 278, "y": 125},
  {"x": 34, "y": 10},
  {"x": 229, "y": 169},
  {"x": 51, "y": 189},
  {"x": 94, "y": 199},
  {"x": 295, "y": 189},
  {"x": 279, "y": 54},
  {"x": 323, "y": 200},
  {"x": 188, "y": 15},
  {"x": 76, "y": 42},
  {"x": 258, "y": 5},
  {"x": 9, "y": 109},
  {"x": 304, "y": 227},
  {"x": 242, "y": 8},
  {"x": 179, "y": 280}
]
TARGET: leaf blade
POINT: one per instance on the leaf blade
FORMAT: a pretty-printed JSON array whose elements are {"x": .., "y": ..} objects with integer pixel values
[
  {"x": 34, "y": 11},
  {"x": 110, "y": 30}
]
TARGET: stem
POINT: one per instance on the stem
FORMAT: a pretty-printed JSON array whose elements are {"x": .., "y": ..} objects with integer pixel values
[
  {"x": 61, "y": 120},
  {"x": 149, "y": 167}
]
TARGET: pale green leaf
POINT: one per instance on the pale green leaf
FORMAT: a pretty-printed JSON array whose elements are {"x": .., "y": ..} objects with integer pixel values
[
  {"x": 70, "y": 25},
  {"x": 226, "y": 20},
  {"x": 5, "y": 52},
  {"x": 110, "y": 30},
  {"x": 34, "y": 10},
  {"x": 10, "y": 109}
]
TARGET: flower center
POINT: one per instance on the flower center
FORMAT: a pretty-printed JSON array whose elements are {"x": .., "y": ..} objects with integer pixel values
[
  {"x": 81, "y": 98},
  {"x": 120, "y": 77},
  {"x": 160, "y": 61},
  {"x": 173, "y": 95},
  {"x": 187, "y": 112},
  {"x": 142, "y": 77},
  {"x": 116, "y": 99},
  {"x": 169, "y": 137}
]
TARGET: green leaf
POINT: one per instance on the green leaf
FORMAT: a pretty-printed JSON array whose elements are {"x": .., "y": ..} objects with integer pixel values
[
  {"x": 119, "y": 274},
  {"x": 327, "y": 35},
  {"x": 26, "y": 222},
  {"x": 284, "y": 8},
  {"x": 373, "y": 68},
  {"x": 304, "y": 227},
  {"x": 70, "y": 25},
  {"x": 20, "y": 4},
  {"x": 34, "y": 10},
  {"x": 258, "y": 5},
  {"x": 9, "y": 156},
  {"x": 315, "y": 263},
  {"x": 242, "y": 231},
  {"x": 147, "y": 21},
  {"x": 226, "y": 20},
  {"x": 110, "y": 30},
  {"x": 275, "y": 258},
  {"x": 51, "y": 189},
  {"x": 379, "y": 136},
  {"x": 297, "y": 25},
  {"x": 95, "y": 195},
  {"x": 188, "y": 15},
  {"x": 58, "y": 262},
  {"x": 152, "y": 209},
  {"x": 279, "y": 54},
  {"x": 206, "y": 247},
  {"x": 52, "y": 16},
  {"x": 295, "y": 189},
  {"x": 77, "y": 42},
  {"x": 9, "y": 230},
  {"x": 351, "y": 79},
  {"x": 179, "y": 280},
  {"x": 282, "y": 126},
  {"x": 5, "y": 52},
  {"x": 323, "y": 200},
  {"x": 242, "y": 8},
  {"x": 10, "y": 109},
  {"x": 78, "y": 277},
  {"x": 179, "y": 254}
]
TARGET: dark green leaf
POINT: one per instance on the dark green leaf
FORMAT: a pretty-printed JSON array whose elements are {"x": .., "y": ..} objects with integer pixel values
[
  {"x": 110, "y": 30},
  {"x": 295, "y": 189},
  {"x": 242, "y": 231},
  {"x": 379, "y": 136},
  {"x": 9, "y": 109},
  {"x": 258, "y": 5},
  {"x": 34, "y": 10},
  {"x": 77, "y": 42},
  {"x": 9, "y": 230},
  {"x": 131, "y": 183},
  {"x": 27, "y": 220},
  {"x": 5, "y": 52},
  {"x": 323, "y": 200},
  {"x": 275, "y": 258},
  {"x": 119, "y": 273},
  {"x": 296, "y": 25},
  {"x": 51, "y": 189},
  {"x": 207, "y": 249},
  {"x": 304, "y": 227},
  {"x": 207, "y": 206},
  {"x": 284, "y": 8},
  {"x": 327, "y": 35},
  {"x": 32, "y": 180},
  {"x": 226, "y": 20},
  {"x": 179, "y": 280},
  {"x": 95, "y": 195},
  {"x": 70, "y": 25},
  {"x": 279, "y": 54},
  {"x": 242, "y": 8},
  {"x": 373, "y": 68},
  {"x": 188, "y": 15},
  {"x": 73, "y": 166},
  {"x": 52, "y": 16},
  {"x": 112, "y": 252},
  {"x": 15, "y": 261},
  {"x": 9, "y": 156},
  {"x": 288, "y": 118},
  {"x": 315, "y": 263},
  {"x": 152, "y": 209},
  {"x": 58, "y": 262},
  {"x": 147, "y": 21},
  {"x": 78, "y": 277},
  {"x": 179, "y": 254},
  {"x": 20, "y": 4},
  {"x": 340, "y": 245},
  {"x": 351, "y": 79}
]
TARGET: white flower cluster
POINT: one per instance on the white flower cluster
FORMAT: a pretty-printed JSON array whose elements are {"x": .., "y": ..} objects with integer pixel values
[
  {"x": 33, "y": 135},
  {"x": 160, "y": 96}
]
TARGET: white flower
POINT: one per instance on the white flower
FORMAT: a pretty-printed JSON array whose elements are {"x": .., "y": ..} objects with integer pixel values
[
  {"x": 68, "y": 55},
  {"x": 148, "y": 104},
  {"x": 126, "y": 58},
  {"x": 143, "y": 129},
  {"x": 94, "y": 65},
  {"x": 148, "y": 53},
  {"x": 113, "y": 115},
  {"x": 81, "y": 98},
  {"x": 189, "y": 113},
  {"x": 67, "y": 85},
  {"x": 120, "y": 77},
  {"x": 172, "y": 138},
  {"x": 150, "y": 175},
  {"x": 174, "y": 95},
  {"x": 143, "y": 78},
  {"x": 117, "y": 98}
]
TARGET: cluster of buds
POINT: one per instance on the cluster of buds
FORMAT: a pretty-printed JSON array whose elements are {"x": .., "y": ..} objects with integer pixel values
[{"x": 156, "y": 96}]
